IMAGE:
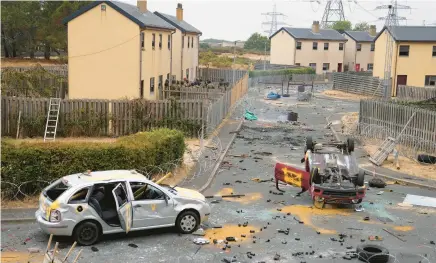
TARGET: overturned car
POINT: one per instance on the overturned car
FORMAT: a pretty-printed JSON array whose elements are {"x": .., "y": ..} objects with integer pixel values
[{"x": 331, "y": 173}]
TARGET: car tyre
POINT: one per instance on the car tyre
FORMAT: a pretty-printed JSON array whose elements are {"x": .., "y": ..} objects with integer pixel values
[
  {"x": 315, "y": 176},
  {"x": 187, "y": 222},
  {"x": 87, "y": 233},
  {"x": 360, "y": 179},
  {"x": 309, "y": 144},
  {"x": 372, "y": 253},
  {"x": 350, "y": 145}
]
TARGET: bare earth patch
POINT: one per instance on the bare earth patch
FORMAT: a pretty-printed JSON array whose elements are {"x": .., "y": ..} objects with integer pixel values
[
  {"x": 343, "y": 95},
  {"x": 407, "y": 165},
  {"x": 27, "y": 62},
  {"x": 349, "y": 122}
]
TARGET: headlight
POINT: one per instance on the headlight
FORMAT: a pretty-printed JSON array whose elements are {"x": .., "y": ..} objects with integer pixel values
[{"x": 55, "y": 216}]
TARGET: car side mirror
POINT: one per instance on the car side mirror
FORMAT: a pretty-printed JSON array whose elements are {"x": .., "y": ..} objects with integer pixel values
[{"x": 166, "y": 199}]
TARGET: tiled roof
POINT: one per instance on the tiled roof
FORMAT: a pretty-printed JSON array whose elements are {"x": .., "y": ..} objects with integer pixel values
[
  {"x": 306, "y": 33},
  {"x": 412, "y": 33},
  {"x": 181, "y": 25},
  {"x": 132, "y": 12},
  {"x": 360, "y": 36}
]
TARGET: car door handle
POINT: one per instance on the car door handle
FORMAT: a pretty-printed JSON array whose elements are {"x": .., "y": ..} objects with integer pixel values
[{"x": 136, "y": 206}]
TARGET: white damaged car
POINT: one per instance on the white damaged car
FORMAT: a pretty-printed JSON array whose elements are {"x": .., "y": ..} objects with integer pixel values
[{"x": 87, "y": 205}]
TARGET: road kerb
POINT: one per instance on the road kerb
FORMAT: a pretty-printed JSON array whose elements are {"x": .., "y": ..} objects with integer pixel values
[
  {"x": 18, "y": 220},
  {"x": 220, "y": 160}
]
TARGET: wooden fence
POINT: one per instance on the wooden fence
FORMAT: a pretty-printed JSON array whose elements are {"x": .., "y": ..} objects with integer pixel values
[
  {"x": 380, "y": 119},
  {"x": 100, "y": 117},
  {"x": 357, "y": 84},
  {"x": 220, "y": 74},
  {"x": 411, "y": 93}
]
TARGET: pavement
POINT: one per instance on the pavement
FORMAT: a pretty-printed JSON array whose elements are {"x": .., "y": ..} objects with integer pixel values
[{"x": 313, "y": 235}]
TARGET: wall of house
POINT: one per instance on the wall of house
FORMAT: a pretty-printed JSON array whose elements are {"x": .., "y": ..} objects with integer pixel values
[
  {"x": 190, "y": 56},
  {"x": 350, "y": 52},
  {"x": 282, "y": 49},
  {"x": 155, "y": 62},
  {"x": 333, "y": 55},
  {"x": 103, "y": 56},
  {"x": 177, "y": 54},
  {"x": 380, "y": 54},
  {"x": 417, "y": 65},
  {"x": 365, "y": 56}
]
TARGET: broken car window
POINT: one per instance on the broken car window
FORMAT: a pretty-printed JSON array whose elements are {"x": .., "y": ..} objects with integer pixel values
[{"x": 143, "y": 191}]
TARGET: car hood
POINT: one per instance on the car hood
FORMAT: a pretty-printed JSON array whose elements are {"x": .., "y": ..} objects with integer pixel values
[{"x": 188, "y": 193}]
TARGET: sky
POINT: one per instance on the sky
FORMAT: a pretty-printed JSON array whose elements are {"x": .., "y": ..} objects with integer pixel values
[{"x": 238, "y": 19}]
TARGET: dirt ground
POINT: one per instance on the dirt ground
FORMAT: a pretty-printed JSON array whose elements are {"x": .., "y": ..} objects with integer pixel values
[
  {"x": 247, "y": 55},
  {"x": 6, "y": 62},
  {"x": 349, "y": 122},
  {"x": 343, "y": 95},
  {"x": 407, "y": 165}
]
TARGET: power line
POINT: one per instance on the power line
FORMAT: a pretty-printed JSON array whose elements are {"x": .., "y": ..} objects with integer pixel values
[
  {"x": 393, "y": 17},
  {"x": 333, "y": 12},
  {"x": 273, "y": 23}
]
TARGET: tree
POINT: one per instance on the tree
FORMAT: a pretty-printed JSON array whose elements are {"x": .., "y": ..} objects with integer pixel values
[
  {"x": 204, "y": 45},
  {"x": 341, "y": 26},
  {"x": 257, "y": 42},
  {"x": 362, "y": 26}
]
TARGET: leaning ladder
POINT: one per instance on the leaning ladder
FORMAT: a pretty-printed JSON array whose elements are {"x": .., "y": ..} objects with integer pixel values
[
  {"x": 388, "y": 146},
  {"x": 52, "y": 119}
]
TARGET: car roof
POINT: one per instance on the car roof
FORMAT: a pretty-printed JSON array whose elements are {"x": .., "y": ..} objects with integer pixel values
[{"x": 103, "y": 176}]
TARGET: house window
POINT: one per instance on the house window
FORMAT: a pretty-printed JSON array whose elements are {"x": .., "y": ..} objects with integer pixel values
[
  {"x": 341, "y": 46},
  {"x": 430, "y": 80},
  {"x": 372, "y": 46},
  {"x": 315, "y": 46},
  {"x": 187, "y": 73},
  {"x": 359, "y": 47},
  {"x": 169, "y": 42},
  {"x": 325, "y": 66},
  {"x": 297, "y": 64},
  {"x": 160, "y": 41},
  {"x": 404, "y": 51},
  {"x": 188, "y": 41},
  {"x": 160, "y": 81},
  {"x": 183, "y": 41},
  {"x": 103, "y": 7},
  {"x": 192, "y": 42},
  {"x": 153, "y": 41},
  {"x": 142, "y": 39},
  {"x": 370, "y": 66},
  {"x": 168, "y": 76},
  {"x": 299, "y": 45},
  {"x": 151, "y": 85},
  {"x": 312, "y": 65},
  {"x": 141, "y": 90},
  {"x": 326, "y": 46},
  {"x": 434, "y": 51}
]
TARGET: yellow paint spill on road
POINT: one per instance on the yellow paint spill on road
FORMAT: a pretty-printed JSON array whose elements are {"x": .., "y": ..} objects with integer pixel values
[
  {"x": 21, "y": 257},
  {"x": 229, "y": 231},
  {"x": 404, "y": 228},
  {"x": 247, "y": 199},
  {"x": 305, "y": 214}
]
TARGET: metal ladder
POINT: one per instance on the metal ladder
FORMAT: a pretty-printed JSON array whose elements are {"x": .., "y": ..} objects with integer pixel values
[
  {"x": 52, "y": 119},
  {"x": 383, "y": 151}
]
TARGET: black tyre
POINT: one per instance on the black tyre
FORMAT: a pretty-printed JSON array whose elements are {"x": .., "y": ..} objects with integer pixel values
[
  {"x": 360, "y": 179},
  {"x": 187, "y": 222},
  {"x": 425, "y": 158},
  {"x": 372, "y": 253},
  {"x": 315, "y": 176},
  {"x": 350, "y": 144},
  {"x": 87, "y": 233},
  {"x": 309, "y": 144},
  {"x": 376, "y": 182}
]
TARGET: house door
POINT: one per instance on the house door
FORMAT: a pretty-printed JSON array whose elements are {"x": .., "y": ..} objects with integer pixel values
[
  {"x": 401, "y": 80},
  {"x": 339, "y": 67},
  {"x": 357, "y": 67}
]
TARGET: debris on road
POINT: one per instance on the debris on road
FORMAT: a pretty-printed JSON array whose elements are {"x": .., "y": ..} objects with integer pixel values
[
  {"x": 201, "y": 241},
  {"x": 199, "y": 232},
  {"x": 389, "y": 232},
  {"x": 263, "y": 153},
  {"x": 417, "y": 200},
  {"x": 375, "y": 238},
  {"x": 132, "y": 245},
  {"x": 359, "y": 208},
  {"x": 377, "y": 183}
]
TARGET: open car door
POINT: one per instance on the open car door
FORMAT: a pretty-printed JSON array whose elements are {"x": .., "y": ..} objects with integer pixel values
[
  {"x": 291, "y": 175},
  {"x": 124, "y": 207}
]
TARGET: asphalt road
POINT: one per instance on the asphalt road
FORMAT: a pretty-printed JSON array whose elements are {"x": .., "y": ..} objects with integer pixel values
[{"x": 267, "y": 141}]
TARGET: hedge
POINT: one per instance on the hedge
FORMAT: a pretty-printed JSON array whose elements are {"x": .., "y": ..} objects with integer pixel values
[
  {"x": 288, "y": 71},
  {"x": 32, "y": 162}
]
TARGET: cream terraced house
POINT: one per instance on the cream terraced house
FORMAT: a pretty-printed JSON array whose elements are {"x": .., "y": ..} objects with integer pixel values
[
  {"x": 359, "y": 50},
  {"x": 413, "y": 60},
  {"x": 117, "y": 51},
  {"x": 321, "y": 49},
  {"x": 186, "y": 41}
]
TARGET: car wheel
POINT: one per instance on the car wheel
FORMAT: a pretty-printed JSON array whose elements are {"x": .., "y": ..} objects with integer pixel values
[
  {"x": 315, "y": 176},
  {"x": 87, "y": 233},
  {"x": 350, "y": 144},
  {"x": 360, "y": 179},
  {"x": 187, "y": 222},
  {"x": 372, "y": 253},
  {"x": 309, "y": 144}
]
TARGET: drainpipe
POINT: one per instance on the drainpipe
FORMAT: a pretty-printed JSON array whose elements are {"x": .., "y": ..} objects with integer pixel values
[
  {"x": 355, "y": 55},
  {"x": 171, "y": 60},
  {"x": 140, "y": 61},
  {"x": 394, "y": 78},
  {"x": 295, "y": 51},
  {"x": 181, "y": 61}
]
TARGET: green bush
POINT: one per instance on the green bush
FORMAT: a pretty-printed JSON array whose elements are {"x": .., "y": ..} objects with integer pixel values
[
  {"x": 28, "y": 161},
  {"x": 290, "y": 71}
]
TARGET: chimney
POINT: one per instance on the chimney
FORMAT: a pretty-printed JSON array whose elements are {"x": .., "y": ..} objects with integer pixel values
[
  {"x": 179, "y": 12},
  {"x": 372, "y": 30},
  {"x": 315, "y": 27},
  {"x": 142, "y": 5}
]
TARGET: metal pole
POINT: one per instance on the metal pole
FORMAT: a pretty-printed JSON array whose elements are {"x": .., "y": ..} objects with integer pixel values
[
  {"x": 264, "y": 58},
  {"x": 234, "y": 60}
]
